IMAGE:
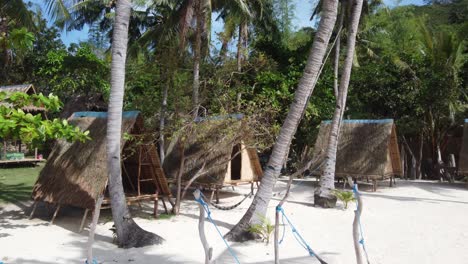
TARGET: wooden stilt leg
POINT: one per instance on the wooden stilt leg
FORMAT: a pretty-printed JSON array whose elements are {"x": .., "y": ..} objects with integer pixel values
[
  {"x": 217, "y": 195},
  {"x": 33, "y": 210},
  {"x": 155, "y": 212},
  {"x": 212, "y": 195},
  {"x": 374, "y": 184},
  {"x": 164, "y": 204},
  {"x": 391, "y": 181},
  {"x": 83, "y": 221},
  {"x": 55, "y": 214},
  {"x": 251, "y": 188}
]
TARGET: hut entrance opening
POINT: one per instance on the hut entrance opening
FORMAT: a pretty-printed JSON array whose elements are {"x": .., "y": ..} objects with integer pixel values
[{"x": 236, "y": 162}]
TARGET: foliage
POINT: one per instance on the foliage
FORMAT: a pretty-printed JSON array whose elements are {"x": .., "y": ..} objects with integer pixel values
[
  {"x": 263, "y": 229},
  {"x": 344, "y": 196},
  {"x": 15, "y": 124},
  {"x": 76, "y": 71}
]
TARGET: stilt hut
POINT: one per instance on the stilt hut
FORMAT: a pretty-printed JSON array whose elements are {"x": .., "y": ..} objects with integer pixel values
[
  {"x": 76, "y": 173},
  {"x": 217, "y": 152},
  {"x": 463, "y": 159},
  {"x": 367, "y": 149}
]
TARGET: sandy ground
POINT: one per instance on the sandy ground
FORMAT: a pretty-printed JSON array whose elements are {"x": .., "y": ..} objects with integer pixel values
[{"x": 415, "y": 222}]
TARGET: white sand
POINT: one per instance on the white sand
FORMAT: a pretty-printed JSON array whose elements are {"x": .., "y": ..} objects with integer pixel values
[{"x": 415, "y": 222}]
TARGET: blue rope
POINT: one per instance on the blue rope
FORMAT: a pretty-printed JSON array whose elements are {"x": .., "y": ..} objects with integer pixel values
[
  {"x": 93, "y": 262},
  {"x": 208, "y": 212},
  {"x": 296, "y": 234},
  {"x": 361, "y": 233}
]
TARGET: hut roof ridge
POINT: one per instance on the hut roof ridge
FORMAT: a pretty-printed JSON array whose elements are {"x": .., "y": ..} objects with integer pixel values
[
  {"x": 126, "y": 114},
  {"x": 363, "y": 121}
]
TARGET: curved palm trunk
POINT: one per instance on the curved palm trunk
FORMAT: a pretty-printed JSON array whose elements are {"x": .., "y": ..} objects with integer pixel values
[
  {"x": 323, "y": 196},
  {"x": 305, "y": 88},
  {"x": 336, "y": 62},
  {"x": 129, "y": 234},
  {"x": 196, "y": 58}
]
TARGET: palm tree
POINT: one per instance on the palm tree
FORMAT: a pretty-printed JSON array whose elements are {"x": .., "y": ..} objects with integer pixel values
[
  {"x": 324, "y": 196},
  {"x": 129, "y": 234},
  {"x": 304, "y": 90},
  {"x": 16, "y": 22}
]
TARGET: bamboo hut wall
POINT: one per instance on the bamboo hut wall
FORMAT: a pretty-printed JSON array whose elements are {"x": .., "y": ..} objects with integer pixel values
[{"x": 363, "y": 149}]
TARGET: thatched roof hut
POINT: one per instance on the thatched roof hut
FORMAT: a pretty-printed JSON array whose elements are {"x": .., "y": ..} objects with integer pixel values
[
  {"x": 463, "y": 160},
  {"x": 218, "y": 145},
  {"x": 366, "y": 148},
  {"x": 76, "y": 173},
  {"x": 25, "y": 88}
]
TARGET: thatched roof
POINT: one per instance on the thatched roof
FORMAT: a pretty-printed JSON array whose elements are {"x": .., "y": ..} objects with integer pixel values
[
  {"x": 366, "y": 148},
  {"x": 25, "y": 88},
  {"x": 463, "y": 160},
  {"x": 211, "y": 143},
  {"x": 76, "y": 173}
]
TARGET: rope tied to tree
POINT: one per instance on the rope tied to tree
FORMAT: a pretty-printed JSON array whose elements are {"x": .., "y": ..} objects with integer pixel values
[
  {"x": 296, "y": 233},
  {"x": 361, "y": 233},
  {"x": 208, "y": 213}
]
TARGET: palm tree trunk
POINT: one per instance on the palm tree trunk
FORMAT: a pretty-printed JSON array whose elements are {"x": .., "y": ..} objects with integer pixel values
[
  {"x": 162, "y": 119},
  {"x": 129, "y": 234},
  {"x": 323, "y": 196},
  {"x": 305, "y": 88},
  {"x": 239, "y": 49},
  {"x": 242, "y": 44},
  {"x": 336, "y": 62},
  {"x": 196, "y": 57}
]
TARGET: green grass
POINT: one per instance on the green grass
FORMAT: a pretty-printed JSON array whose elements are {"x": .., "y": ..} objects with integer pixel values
[{"x": 16, "y": 183}]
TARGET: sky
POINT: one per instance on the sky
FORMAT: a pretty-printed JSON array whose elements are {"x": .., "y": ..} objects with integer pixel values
[{"x": 303, "y": 10}]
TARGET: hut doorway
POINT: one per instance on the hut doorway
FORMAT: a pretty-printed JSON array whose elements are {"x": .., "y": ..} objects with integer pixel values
[{"x": 236, "y": 162}]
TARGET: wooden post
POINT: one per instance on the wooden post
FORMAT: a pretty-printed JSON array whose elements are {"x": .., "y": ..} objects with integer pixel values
[
  {"x": 35, "y": 153},
  {"x": 357, "y": 214},
  {"x": 155, "y": 207},
  {"x": 277, "y": 217},
  {"x": 201, "y": 230},
  {"x": 212, "y": 195},
  {"x": 55, "y": 214},
  {"x": 83, "y": 221},
  {"x": 33, "y": 210},
  {"x": 92, "y": 229},
  {"x": 4, "y": 149},
  {"x": 139, "y": 169}
]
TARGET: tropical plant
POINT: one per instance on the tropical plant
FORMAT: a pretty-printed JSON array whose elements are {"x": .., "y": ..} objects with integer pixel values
[
  {"x": 263, "y": 229},
  {"x": 344, "y": 196}
]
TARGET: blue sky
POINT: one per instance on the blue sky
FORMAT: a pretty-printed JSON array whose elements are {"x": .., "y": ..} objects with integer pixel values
[{"x": 302, "y": 15}]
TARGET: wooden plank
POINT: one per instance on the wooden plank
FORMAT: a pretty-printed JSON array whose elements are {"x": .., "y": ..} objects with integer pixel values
[{"x": 21, "y": 161}]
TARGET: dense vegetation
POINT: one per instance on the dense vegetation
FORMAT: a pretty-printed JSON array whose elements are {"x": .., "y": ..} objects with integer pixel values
[{"x": 411, "y": 65}]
